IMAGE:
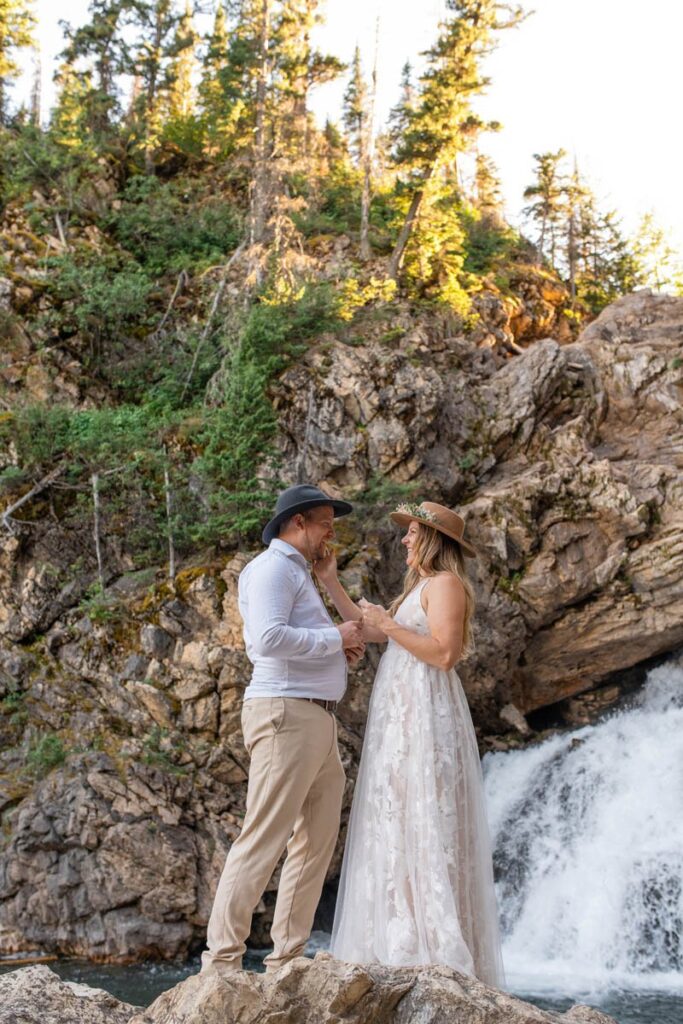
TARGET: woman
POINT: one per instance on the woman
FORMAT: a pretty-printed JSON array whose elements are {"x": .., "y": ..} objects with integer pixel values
[{"x": 416, "y": 884}]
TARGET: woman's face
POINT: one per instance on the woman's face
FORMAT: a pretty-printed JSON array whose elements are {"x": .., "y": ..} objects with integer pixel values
[{"x": 410, "y": 540}]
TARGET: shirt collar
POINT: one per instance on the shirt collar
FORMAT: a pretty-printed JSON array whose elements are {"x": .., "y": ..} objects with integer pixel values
[{"x": 289, "y": 550}]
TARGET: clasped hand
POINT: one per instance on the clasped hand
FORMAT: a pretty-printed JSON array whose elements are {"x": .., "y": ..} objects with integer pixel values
[{"x": 374, "y": 614}]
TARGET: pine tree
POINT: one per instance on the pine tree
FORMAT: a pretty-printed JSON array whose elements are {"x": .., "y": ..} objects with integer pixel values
[
  {"x": 442, "y": 123},
  {"x": 298, "y": 68},
  {"x": 69, "y": 118},
  {"x": 487, "y": 188},
  {"x": 219, "y": 109},
  {"x": 36, "y": 88},
  {"x": 400, "y": 115},
  {"x": 101, "y": 42},
  {"x": 357, "y": 118},
  {"x": 660, "y": 267},
  {"x": 355, "y": 109},
  {"x": 546, "y": 210},
  {"x": 17, "y": 24},
  {"x": 155, "y": 24},
  {"x": 180, "y": 99}
]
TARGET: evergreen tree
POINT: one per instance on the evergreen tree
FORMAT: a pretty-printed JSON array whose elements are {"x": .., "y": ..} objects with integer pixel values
[
  {"x": 180, "y": 98},
  {"x": 155, "y": 24},
  {"x": 36, "y": 88},
  {"x": 355, "y": 110},
  {"x": 69, "y": 119},
  {"x": 547, "y": 207},
  {"x": 219, "y": 109},
  {"x": 659, "y": 266},
  {"x": 487, "y": 189},
  {"x": 297, "y": 69},
  {"x": 399, "y": 117},
  {"x": 101, "y": 42},
  {"x": 442, "y": 123},
  {"x": 17, "y": 23}
]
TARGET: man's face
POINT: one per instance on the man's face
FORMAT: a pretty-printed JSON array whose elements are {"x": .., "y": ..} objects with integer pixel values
[{"x": 319, "y": 530}]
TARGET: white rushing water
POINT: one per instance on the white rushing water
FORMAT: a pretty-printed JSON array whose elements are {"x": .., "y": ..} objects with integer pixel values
[{"x": 587, "y": 830}]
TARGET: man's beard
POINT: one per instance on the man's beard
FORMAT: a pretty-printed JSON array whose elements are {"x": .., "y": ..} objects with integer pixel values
[{"x": 315, "y": 553}]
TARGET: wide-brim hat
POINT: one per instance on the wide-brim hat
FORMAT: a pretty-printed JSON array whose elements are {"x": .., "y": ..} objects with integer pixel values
[
  {"x": 300, "y": 498},
  {"x": 440, "y": 518}
]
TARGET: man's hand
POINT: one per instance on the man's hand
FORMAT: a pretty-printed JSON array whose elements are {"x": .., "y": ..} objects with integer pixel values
[
  {"x": 326, "y": 568},
  {"x": 351, "y": 634},
  {"x": 354, "y": 654}
]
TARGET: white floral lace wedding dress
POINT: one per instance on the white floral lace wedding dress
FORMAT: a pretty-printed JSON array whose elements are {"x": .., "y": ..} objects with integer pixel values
[{"x": 416, "y": 884}]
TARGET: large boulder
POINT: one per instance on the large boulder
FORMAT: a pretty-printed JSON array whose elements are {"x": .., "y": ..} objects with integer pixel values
[
  {"x": 320, "y": 991},
  {"x": 325, "y": 991}
]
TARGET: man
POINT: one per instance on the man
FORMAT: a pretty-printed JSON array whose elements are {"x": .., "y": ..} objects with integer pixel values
[{"x": 296, "y": 779}]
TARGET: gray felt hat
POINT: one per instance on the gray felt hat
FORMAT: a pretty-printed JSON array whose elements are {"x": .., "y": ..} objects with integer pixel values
[{"x": 300, "y": 498}]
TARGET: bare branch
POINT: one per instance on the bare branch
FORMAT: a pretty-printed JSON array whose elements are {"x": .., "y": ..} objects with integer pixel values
[
  {"x": 218, "y": 295},
  {"x": 36, "y": 489}
]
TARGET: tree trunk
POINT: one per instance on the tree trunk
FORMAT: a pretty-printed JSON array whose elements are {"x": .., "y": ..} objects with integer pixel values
[
  {"x": 258, "y": 223},
  {"x": 401, "y": 242},
  {"x": 368, "y": 132},
  {"x": 95, "y": 480},
  {"x": 571, "y": 255},
  {"x": 169, "y": 523}
]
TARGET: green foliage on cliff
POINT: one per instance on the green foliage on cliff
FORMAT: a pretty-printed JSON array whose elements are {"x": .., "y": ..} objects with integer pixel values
[{"x": 171, "y": 249}]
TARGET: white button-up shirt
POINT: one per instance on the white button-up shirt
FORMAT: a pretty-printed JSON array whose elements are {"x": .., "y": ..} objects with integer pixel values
[{"x": 289, "y": 635}]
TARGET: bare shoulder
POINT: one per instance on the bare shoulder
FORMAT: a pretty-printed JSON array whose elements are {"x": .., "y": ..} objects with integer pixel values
[{"x": 443, "y": 589}]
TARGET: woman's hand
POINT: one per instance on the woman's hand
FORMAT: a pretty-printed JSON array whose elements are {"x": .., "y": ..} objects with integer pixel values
[
  {"x": 374, "y": 615},
  {"x": 326, "y": 568}
]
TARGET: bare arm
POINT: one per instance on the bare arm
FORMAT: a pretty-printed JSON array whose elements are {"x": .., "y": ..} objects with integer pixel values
[
  {"x": 326, "y": 571},
  {"x": 445, "y": 607}
]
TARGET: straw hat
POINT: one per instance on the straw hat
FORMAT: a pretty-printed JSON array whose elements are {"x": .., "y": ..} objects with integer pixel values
[{"x": 440, "y": 518}]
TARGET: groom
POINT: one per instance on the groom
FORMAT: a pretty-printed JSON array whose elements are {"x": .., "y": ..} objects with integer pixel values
[{"x": 296, "y": 779}]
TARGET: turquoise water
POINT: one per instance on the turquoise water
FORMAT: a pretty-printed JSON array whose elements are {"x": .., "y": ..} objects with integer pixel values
[{"x": 141, "y": 983}]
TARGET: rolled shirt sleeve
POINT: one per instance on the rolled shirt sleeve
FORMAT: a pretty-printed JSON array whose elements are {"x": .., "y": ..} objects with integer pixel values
[{"x": 272, "y": 591}]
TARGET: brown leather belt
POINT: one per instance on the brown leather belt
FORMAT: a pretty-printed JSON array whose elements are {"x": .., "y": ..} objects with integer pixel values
[{"x": 329, "y": 705}]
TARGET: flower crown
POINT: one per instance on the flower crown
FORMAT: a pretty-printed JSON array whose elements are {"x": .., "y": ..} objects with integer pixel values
[{"x": 417, "y": 511}]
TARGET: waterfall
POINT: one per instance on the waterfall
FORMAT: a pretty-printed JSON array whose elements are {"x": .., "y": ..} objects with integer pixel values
[{"x": 587, "y": 829}]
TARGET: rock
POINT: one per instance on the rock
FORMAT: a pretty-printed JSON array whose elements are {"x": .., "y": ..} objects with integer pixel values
[
  {"x": 158, "y": 706},
  {"x": 195, "y": 656},
  {"x": 514, "y": 717},
  {"x": 5, "y": 295},
  {"x": 36, "y": 995},
  {"x": 156, "y": 642},
  {"x": 325, "y": 991}
]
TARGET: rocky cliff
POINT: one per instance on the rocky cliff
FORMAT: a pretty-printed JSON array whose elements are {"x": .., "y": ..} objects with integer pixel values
[{"x": 122, "y": 776}]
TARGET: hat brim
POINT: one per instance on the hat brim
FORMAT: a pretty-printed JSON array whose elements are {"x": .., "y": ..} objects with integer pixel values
[
  {"x": 271, "y": 529},
  {"x": 403, "y": 519}
]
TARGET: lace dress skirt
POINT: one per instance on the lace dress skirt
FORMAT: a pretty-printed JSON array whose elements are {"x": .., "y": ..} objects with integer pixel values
[{"x": 416, "y": 884}]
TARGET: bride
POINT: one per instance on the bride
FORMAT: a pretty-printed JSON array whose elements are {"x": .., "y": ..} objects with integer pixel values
[{"x": 416, "y": 884}]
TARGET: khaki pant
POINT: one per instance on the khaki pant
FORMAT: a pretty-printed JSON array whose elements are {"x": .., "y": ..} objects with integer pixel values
[{"x": 294, "y": 796}]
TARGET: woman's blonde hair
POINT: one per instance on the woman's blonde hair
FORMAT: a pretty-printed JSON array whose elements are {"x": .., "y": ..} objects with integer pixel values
[{"x": 434, "y": 552}]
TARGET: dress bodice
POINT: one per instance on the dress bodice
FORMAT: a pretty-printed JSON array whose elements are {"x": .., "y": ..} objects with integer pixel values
[{"x": 410, "y": 612}]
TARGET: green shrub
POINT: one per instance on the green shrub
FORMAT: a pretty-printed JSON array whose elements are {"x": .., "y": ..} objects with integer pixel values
[
  {"x": 45, "y": 753},
  {"x": 104, "y": 297},
  {"x": 167, "y": 229}
]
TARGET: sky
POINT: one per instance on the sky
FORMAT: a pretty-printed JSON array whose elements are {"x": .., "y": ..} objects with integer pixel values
[{"x": 602, "y": 79}]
